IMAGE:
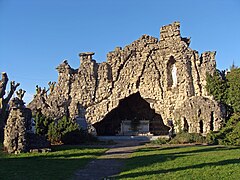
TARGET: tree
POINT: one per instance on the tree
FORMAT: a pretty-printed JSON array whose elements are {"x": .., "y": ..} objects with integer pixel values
[
  {"x": 233, "y": 90},
  {"x": 42, "y": 124},
  {"x": 4, "y": 101},
  {"x": 63, "y": 130},
  {"x": 217, "y": 86},
  {"x": 227, "y": 91},
  {"x": 58, "y": 130}
]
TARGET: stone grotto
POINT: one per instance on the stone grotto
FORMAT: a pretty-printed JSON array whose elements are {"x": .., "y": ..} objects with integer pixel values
[{"x": 153, "y": 80}]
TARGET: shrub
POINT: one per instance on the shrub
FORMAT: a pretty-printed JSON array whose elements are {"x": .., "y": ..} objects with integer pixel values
[
  {"x": 160, "y": 141},
  {"x": 211, "y": 138},
  {"x": 225, "y": 89},
  {"x": 184, "y": 137},
  {"x": 234, "y": 137},
  {"x": 63, "y": 127},
  {"x": 54, "y": 135},
  {"x": 230, "y": 134},
  {"x": 63, "y": 130},
  {"x": 76, "y": 136},
  {"x": 42, "y": 124}
]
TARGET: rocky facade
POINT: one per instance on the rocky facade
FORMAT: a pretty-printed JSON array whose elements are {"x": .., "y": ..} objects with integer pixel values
[{"x": 167, "y": 73}]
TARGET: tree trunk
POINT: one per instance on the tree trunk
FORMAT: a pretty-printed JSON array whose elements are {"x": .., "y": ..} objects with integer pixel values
[{"x": 4, "y": 101}]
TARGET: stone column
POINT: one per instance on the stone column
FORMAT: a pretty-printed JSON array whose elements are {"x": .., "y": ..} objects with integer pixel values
[{"x": 15, "y": 131}]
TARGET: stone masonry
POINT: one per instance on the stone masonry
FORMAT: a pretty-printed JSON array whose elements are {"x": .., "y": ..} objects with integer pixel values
[{"x": 167, "y": 73}]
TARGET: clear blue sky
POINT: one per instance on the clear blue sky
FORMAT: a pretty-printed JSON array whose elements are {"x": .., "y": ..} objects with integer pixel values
[{"x": 36, "y": 36}]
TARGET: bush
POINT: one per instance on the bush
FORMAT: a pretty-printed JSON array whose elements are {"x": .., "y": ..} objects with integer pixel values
[
  {"x": 63, "y": 130},
  {"x": 233, "y": 137},
  {"x": 78, "y": 136},
  {"x": 211, "y": 138},
  {"x": 230, "y": 134},
  {"x": 54, "y": 135},
  {"x": 160, "y": 141},
  {"x": 74, "y": 137},
  {"x": 42, "y": 124},
  {"x": 63, "y": 127},
  {"x": 184, "y": 137},
  {"x": 225, "y": 89}
]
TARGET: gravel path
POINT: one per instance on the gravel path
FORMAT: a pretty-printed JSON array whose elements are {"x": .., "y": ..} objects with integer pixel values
[{"x": 110, "y": 163}]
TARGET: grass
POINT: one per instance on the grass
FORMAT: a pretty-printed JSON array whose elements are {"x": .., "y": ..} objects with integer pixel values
[
  {"x": 189, "y": 162},
  {"x": 59, "y": 164}
]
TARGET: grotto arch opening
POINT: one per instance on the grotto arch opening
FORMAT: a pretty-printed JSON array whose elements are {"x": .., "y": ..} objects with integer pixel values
[{"x": 134, "y": 109}]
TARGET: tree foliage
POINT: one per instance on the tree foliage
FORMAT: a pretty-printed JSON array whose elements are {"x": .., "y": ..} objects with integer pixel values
[
  {"x": 233, "y": 90},
  {"x": 217, "y": 86},
  {"x": 229, "y": 134},
  {"x": 226, "y": 90},
  {"x": 64, "y": 131},
  {"x": 59, "y": 131},
  {"x": 42, "y": 124}
]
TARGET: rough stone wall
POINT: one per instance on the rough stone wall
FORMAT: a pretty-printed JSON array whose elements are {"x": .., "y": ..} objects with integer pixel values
[
  {"x": 166, "y": 73},
  {"x": 199, "y": 115}
]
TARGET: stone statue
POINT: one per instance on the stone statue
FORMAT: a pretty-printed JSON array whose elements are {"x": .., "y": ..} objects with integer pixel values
[
  {"x": 171, "y": 130},
  {"x": 174, "y": 75}
]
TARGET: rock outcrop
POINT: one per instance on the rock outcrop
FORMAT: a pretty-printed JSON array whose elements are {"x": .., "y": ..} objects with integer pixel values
[{"x": 166, "y": 73}]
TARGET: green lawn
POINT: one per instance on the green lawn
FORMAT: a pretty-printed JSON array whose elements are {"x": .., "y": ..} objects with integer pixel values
[
  {"x": 192, "y": 162},
  {"x": 59, "y": 164}
]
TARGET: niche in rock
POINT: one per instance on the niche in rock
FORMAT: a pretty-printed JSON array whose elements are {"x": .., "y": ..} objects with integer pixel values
[
  {"x": 212, "y": 121},
  {"x": 185, "y": 125},
  {"x": 133, "y": 108},
  {"x": 201, "y": 126}
]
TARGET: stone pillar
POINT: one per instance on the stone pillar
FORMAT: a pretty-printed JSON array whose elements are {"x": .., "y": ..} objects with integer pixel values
[{"x": 15, "y": 131}]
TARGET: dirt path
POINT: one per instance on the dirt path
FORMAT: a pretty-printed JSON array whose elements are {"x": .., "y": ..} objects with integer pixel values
[{"x": 110, "y": 163}]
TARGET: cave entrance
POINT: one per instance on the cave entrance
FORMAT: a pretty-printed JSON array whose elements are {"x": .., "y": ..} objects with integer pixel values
[{"x": 134, "y": 110}]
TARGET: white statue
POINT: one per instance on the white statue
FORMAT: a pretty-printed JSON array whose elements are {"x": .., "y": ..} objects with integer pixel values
[{"x": 174, "y": 75}]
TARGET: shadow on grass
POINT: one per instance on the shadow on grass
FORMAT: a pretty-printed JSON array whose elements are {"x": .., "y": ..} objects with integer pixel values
[
  {"x": 73, "y": 155},
  {"x": 71, "y": 147},
  {"x": 53, "y": 165},
  {"x": 40, "y": 168},
  {"x": 182, "y": 151},
  {"x": 219, "y": 163},
  {"x": 147, "y": 160}
]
